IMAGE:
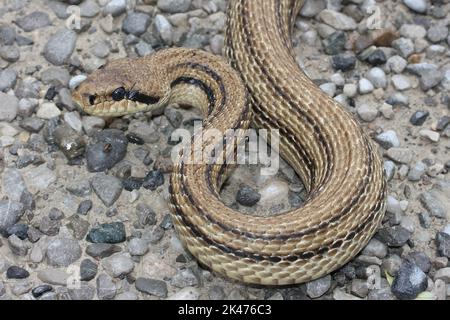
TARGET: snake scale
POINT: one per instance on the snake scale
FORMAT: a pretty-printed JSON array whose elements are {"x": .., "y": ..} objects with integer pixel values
[{"x": 336, "y": 160}]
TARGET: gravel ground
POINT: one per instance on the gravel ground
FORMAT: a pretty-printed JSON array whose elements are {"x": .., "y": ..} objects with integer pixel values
[{"x": 83, "y": 201}]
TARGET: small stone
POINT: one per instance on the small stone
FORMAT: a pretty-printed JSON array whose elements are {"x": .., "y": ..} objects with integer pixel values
[
  {"x": 60, "y": 46},
  {"x": 9, "y": 106},
  {"x": 33, "y": 21},
  {"x": 49, "y": 227},
  {"x": 108, "y": 233},
  {"x": 400, "y": 155},
  {"x": 184, "y": 278},
  {"x": 329, "y": 88},
  {"x": 337, "y": 20},
  {"x": 421, "y": 260},
  {"x": 443, "y": 274},
  {"x": 153, "y": 180},
  {"x": 419, "y": 6},
  {"x": 135, "y": 23},
  {"x": 146, "y": 216},
  {"x": 17, "y": 246},
  {"x": 118, "y": 265},
  {"x": 53, "y": 276},
  {"x": 401, "y": 82},
  {"x": 419, "y": 118},
  {"x": 365, "y": 86},
  {"x": 404, "y": 46},
  {"x": 437, "y": 33},
  {"x": 79, "y": 187},
  {"x": 377, "y": 77},
  {"x": 375, "y": 248},
  {"x": 40, "y": 290},
  {"x": 335, "y": 43},
  {"x": 15, "y": 272},
  {"x": 216, "y": 293},
  {"x": 101, "y": 250},
  {"x": 318, "y": 287},
  {"x": 431, "y": 202},
  {"x": 9, "y": 53},
  {"x": 367, "y": 113},
  {"x": 417, "y": 171},
  {"x": 106, "y": 289},
  {"x": 359, "y": 288},
  {"x": 396, "y": 64},
  {"x": 48, "y": 110},
  {"x": 430, "y": 135},
  {"x": 78, "y": 226},
  {"x": 19, "y": 229},
  {"x": 63, "y": 252},
  {"x": 443, "y": 244},
  {"x": 377, "y": 57},
  {"x": 84, "y": 207},
  {"x": 10, "y": 213},
  {"x": 388, "y": 139},
  {"x": 188, "y": 293},
  {"x": 151, "y": 286},
  {"x": 395, "y": 236},
  {"x": 8, "y": 79},
  {"x": 82, "y": 292},
  {"x": 409, "y": 282},
  {"x": 107, "y": 188},
  {"x": 174, "y": 6},
  {"x": 88, "y": 270},
  {"x": 343, "y": 62},
  {"x": 115, "y": 7},
  {"x": 76, "y": 81},
  {"x": 137, "y": 247},
  {"x": 107, "y": 148},
  {"x": 247, "y": 196}
]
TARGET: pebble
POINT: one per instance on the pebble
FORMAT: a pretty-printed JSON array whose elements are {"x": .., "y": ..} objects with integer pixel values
[
  {"x": 55, "y": 276},
  {"x": 106, "y": 289},
  {"x": 184, "y": 278},
  {"x": 343, "y": 62},
  {"x": 395, "y": 236},
  {"x": 19, "y": 229},
  {"x": 153, "y": 180},
  {"x": 400, "y": 155},
  {"x": 443, "y": 274},
  {"x": 82, "y": 292},
  {"x": 106, "y": 149},
  {"x": 335, "y": 43},
  {"x": 419, "y": 6},
  {"x": 421, "y": 260},
  {"x": 60, "y": 46},
  {"x": 48, "y": 110},
  {"x": 365, "y": 86},
  {"x": 63, "y": 252},
  {"x": 409, "y": 282},
  {"x": 38, "y": 291},
  {"x": 89, "y": 9},
  {"x": 10, "y": 53},
  {"x": 75, "y": 81},
  {"x": 8, "y": 79},
  {"x": 84, "y": 207},
  {"x": 443, "y": 244},
  {"x": 437, "y": 33},
  {"x": 329, "y": 88},
  {"x": 247, "y": 196},
  {"x": 377, "y": 77},
  {"x": 367, "y": 112},
  {"x": 118, "y": 265},
  {"x": 388, "y": 139},
  {"x": 401, "y": 82},
  {"x": 107, "y": 188},
  {"x": 115, "y": 7},
  {"x": 7, "y": 34},
  {"x": 88, "y": 270},
  {"x": 9, "y": 106},
  {"x": 337, "y": 20},
  {"x": 174, "y": 6},
  {"x": 430, "y": 135},
  {"x": 10, "y": 213},
  {"x": 431, "y": 202},
  {"x": 419, "y": 118},
  {"x": 359, "y": 288},
  {"x": 49, "y": 227},
  {"x": 375, "y": 248},
  {"x": 108, "y": 233},
  {"x": 377, "y": 57},
  {"x": 102, "y": 250},
  {"x": 78, "y": 226},
  {"x": 404, "y": 46},
  {"x": 136, "y": 23},
  {"x": 188, "y": 293},
  {"x": 163, "y": 28},
  {"x": 137, "y": 247},
  {"x": 152, "y": 286},
  {"x": 15, "y": 272},
  {"x": 18, "y": 247},
  {"x": 396, "y": 64},
  {"x": 417, "y": 171},
  {"x": 311, "y": 8},
  {"x": 318, "y": 287},
  {"x": 413, "y": 31},
  {"x": 33, "y": 21}
]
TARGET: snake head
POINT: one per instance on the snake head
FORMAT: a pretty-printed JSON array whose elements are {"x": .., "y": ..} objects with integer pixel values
[{"x": 111, "y": 91}]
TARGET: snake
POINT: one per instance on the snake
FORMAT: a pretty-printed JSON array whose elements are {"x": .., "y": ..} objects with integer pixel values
[{"x": 259, "y": 85}]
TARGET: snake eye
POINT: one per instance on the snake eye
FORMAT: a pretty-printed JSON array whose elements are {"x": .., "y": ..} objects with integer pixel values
[
  {"x": 92, "y": 99},
  {"x": 118, "y": 94}
]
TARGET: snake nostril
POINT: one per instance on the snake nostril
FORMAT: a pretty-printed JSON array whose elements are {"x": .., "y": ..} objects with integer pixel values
[{"x": 92, "y": 98}]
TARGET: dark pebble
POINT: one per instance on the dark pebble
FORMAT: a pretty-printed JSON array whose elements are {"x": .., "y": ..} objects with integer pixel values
[
  {"x": 132, "y": 183},
  {"x": 421, "y": 260},
  {"x": 166, "y": 222},
  {"x": 335, "y": 43},
  {"x": 443, "y": 244},
  {"x": 153, "y": 180},
  {"x": 15, "y": 272},
  {"x": 84, "y": 207},
  {"x": 32, "y": 124},
  {"x": 443, "y": 123},
  {"x": 135, "y": 139},
  {"x": 108, "y": 148},
  {"x": 51, "y": 93},
  {"x": 343, "y": 62},
  {"x": 107, "y": 233},
  {"x": 377, "y": 58},
  {"x": 102, "y": 250},
  {"x": 409, "y": 282},
  {"x": 424, "y": 220},
  {"x": 395, "y": 236},
  {"x": 247, "y": 196},
  {"x": 419, "y": 117},
  {"x": 19, "y": 229},
  {"x": 55, "y": 214},
  {"x": 88, "y": 270},
  {"x": 40, "y": 290}
]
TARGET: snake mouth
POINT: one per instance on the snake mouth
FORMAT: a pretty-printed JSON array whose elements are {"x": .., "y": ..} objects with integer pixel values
[{"x": 114, "y": 105}]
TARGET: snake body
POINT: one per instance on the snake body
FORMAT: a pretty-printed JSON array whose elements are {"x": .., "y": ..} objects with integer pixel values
[{"x": 336, "y": 160}]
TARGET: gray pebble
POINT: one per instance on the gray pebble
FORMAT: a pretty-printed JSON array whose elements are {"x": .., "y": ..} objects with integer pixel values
[
  {"x": 33, "y": 21},
  {"x": 318, "y": 287},
  {"x": 137, "y": 247},
  {"x": 18, "y": 247},
  {"x": 404, "y": 46},
  {"x": 63, "y": 252},
  {"x": 108, "y": 233},
  {"x": 102, "y": 250},
  {"x": 115, "y": 7},
  {"x": 49, "y": 227},
  {"x": 419, "y": 6},
  {"x": 184, "y": 278},
  {"x": 10, "y": 213},
  {"x": 388, "y": 139},
  {"x": 443, "y": 244},
  {"x": 78, "y": 226},
  {"x": 151, "y": 286},
  {"x": 107, "y": 148},
  {"x": 431, "y": 202},
  {"x": 8, "y": 79},
  {"x": 136, "y": 23},
  {"x": 247, "y": 196},
  {"x": 107, "y": 188},
  {"x": 9, "y": 106},
  {"x": 56, "y": 76},
  {"x": 10, "y": 53},
  {"x": 174, "y": 6},
  {"x": 60, "y": 46},
  {"x": 83, "y": 292},
  {"x": 437, "y": 33},
  {"x": 395, "y": 236},
  {"x": 409, "y": 281},
  {"x": 106, "y": 289},
  {"x": 7, "y": 35},
  {"x": 377, "y": 77}
]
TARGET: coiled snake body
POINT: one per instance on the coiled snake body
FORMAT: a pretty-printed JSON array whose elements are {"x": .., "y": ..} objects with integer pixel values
[{"x": 336, "y": 160}]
